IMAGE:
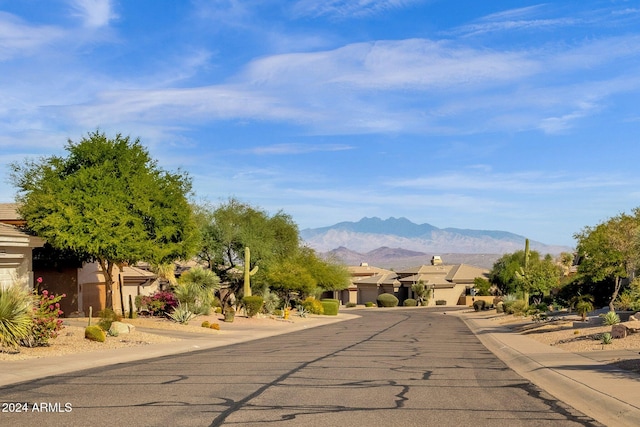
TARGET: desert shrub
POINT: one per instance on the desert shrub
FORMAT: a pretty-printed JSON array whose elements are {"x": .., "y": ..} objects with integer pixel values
[
  {"x": 350, "y": 304},
  {"x": 330, "y": 307},
  {"x": 410, "y": 302},
  {"x": 441, "y": 302},
  {"x": 215, "y": 326},
  {"x": 271, "y": 301},
  {"x": 253, "y": 304},
  {"x": 313, "y": 306},
  {"x": 387, "y": 300},
  {"x": 629, "y": 299},
  {"x": 205, "y": 324},
  {"x": 46, "y": 319},
  {"x": 369, "y": 304},
  {"x": 479, "y": 305},
  {"x": 15, "y": 316},
  {"x": 95, "y": 333},
  {"x": 610, "y": 319},
  {"x": 107, "y": 317},
  {"x": 541, "y": 307},
  {"x": 518, "y": 308},
  {"x": 158, "y": 304}
]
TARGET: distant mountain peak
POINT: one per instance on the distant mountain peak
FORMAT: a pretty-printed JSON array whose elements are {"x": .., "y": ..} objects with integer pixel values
[{"x": 371, "y": 233}]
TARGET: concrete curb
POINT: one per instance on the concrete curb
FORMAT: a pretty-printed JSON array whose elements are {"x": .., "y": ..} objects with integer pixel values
[{"x": 604, "y": 393}]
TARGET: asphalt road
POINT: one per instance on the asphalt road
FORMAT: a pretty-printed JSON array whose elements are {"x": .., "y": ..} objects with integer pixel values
[{"x": 387, "y": 368}]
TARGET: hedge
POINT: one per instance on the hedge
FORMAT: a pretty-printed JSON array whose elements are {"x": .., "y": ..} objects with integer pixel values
[{"x": 387, "y": 300}]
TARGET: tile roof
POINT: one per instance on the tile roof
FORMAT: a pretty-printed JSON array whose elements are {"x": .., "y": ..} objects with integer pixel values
[{"x": 9, "y": 212}]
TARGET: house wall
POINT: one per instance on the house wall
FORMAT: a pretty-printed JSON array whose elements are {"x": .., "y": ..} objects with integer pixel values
[
  {"x": 60, "y": 281},
  {"x": 450, "y": 295},
  {"x": 15, "y": 267},
  {"x": 134, "y": 289},
  {"x": 468, "y": 300},
  {"x": 367, "y": 293}
]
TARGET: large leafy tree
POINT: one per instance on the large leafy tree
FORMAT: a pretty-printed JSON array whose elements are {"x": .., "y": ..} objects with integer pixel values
[
  {"x": 611, "y": 251},
  {"x": 304, "y": 273},
  {"x": 513, "y": 273},
  {"x": 109, "y": 201},
  {"x": 231, "y": 227}
]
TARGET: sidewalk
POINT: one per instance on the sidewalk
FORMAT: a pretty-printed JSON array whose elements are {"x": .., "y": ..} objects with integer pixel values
[
  {"x": 583, "y": 381},
  {"x": 30, "y": 369}
]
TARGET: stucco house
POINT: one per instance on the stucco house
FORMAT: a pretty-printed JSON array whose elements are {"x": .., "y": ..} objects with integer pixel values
[
  {"x": 23, "y": 259},
  {"x": 448, "y": 283},
  {"x": 16, "y": 266}
]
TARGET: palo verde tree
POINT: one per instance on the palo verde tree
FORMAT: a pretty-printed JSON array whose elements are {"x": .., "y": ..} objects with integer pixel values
[
  {"x": 227, "y": 230},
  {"x": 611, "y": 250},
  {"x": 525, "y": 273},
  {"x": 304, "y": 273},
  {"x": 108, "y": 201}
]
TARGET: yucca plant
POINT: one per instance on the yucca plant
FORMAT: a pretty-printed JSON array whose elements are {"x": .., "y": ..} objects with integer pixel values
[
  {"x": 197, "y": 288},
  {"x": 16, "y": 307},
  {"x": 606, "y": 338}
]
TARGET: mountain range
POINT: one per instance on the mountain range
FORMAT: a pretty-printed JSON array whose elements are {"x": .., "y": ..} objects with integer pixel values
[{"x": 399, "y": 242}]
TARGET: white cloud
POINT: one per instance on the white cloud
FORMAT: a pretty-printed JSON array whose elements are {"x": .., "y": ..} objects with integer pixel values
[
  {"x": 94, "y": 13},
  {"x": 18, "y": 38},
  {"x": 287, "y": 149},
  {"x": 348, "y": 8}
]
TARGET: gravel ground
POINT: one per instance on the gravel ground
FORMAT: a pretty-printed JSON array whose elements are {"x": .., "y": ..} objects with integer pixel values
[
  {"x": 72, "y": 340},
  {"x": 564, "y": 335}
]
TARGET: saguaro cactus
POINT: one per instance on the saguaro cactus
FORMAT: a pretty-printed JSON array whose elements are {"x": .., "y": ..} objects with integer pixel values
[
  {"x": 248, "y": 272},
  {"x": 523, "y": 274}
]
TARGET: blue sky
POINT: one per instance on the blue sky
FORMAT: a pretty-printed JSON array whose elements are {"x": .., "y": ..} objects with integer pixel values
[{"x": 504, "y": 115}]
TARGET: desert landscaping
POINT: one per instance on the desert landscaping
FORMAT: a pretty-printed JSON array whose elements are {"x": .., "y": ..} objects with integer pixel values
[{"x": 557, "y": 333}]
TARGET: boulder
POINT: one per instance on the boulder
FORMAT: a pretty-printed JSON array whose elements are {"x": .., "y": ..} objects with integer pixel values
[
  {"x": 118, "y": 328},
  {"x": 634, "y": 317},
  {"x": 621, "y": 330}
]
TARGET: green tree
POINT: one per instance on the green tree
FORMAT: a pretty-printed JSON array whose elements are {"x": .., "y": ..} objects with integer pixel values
[
  {"x": 289, "y": 277},
  {"x": 328, "y": 273},
  {"x": 504, "y": 273},
  {"x": 518, "y": 273},
  {"x": 482, "y": 286},
  {"x": 231, "y": 227},
  {"x": 541, "y": 276},
  {"x": 304, "y": 273},
  {"x": 611, "y": 250},
  {"x": 109, "y": 201}
]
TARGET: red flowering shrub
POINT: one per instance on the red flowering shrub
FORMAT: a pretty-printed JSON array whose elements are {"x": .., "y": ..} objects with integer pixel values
[
  {"x": 158, "y": 304},
  {"x": 46, "y": 319}
]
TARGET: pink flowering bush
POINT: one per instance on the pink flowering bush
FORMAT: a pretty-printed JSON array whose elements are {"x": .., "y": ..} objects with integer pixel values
[
  {"x": 46, "y": 318},
  {"x": 158, "y": 304}
]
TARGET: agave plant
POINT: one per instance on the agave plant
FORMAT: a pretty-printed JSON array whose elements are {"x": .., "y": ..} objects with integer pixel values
[
  {"x": 611, "y": 318},
  {"x": 16, "y": 319},
  {"x": 182, "y": 314}
]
